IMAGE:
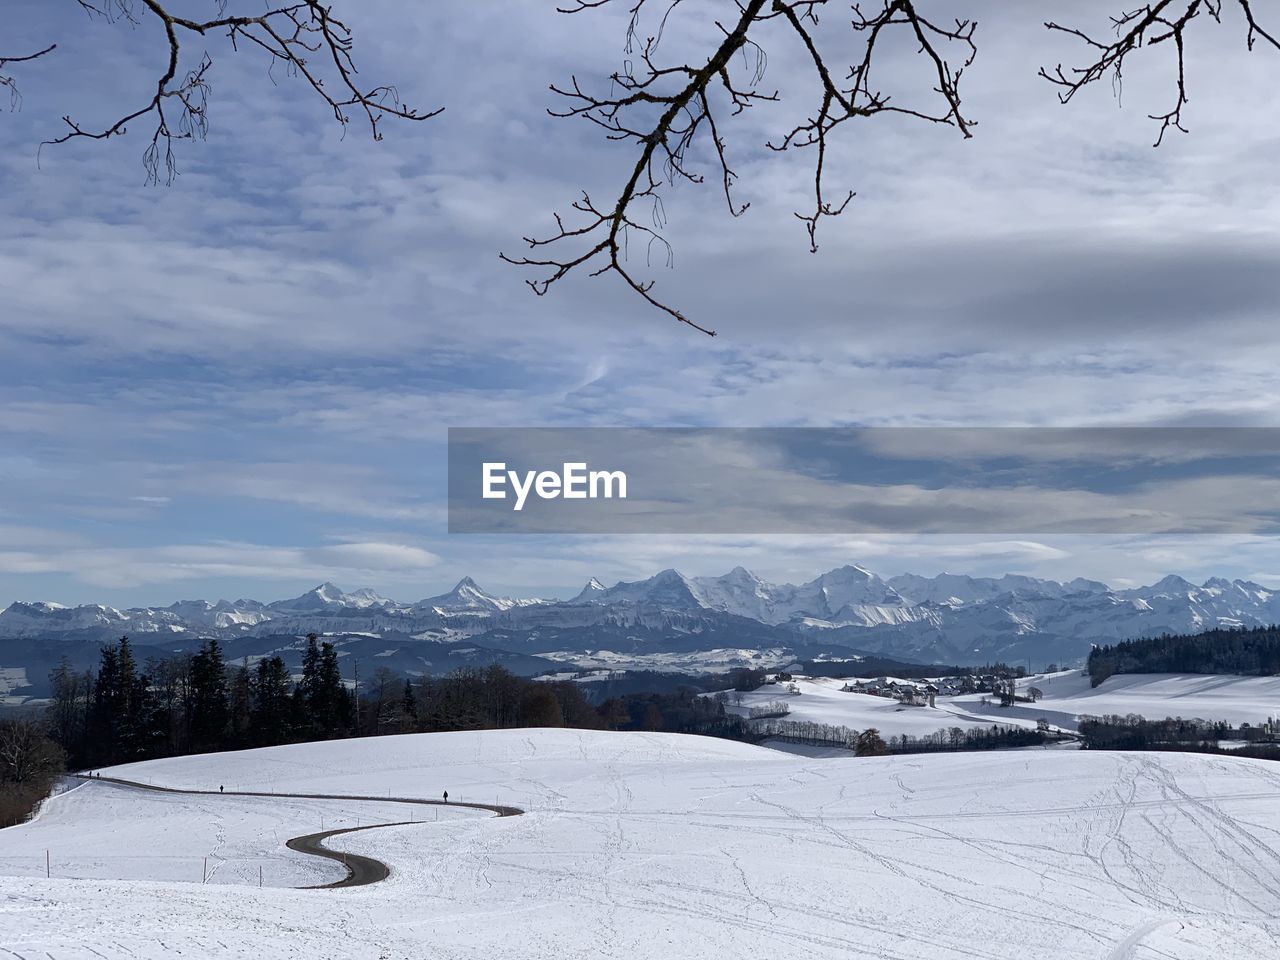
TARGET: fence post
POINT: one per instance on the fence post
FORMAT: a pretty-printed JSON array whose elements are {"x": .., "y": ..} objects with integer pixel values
[
  {"x": 204, "y": 878},
  {"x": 46, "y": 865}
]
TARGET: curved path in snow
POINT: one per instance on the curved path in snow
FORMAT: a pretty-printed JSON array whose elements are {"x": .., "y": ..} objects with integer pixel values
[{"x": 360, "y": 870}]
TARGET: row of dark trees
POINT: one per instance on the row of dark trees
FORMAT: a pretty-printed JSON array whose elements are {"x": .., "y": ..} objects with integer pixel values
[
  {"x": 994, "y": 737},
  {"x": 869, "y": 742},
  {"x": 123, "y": 711},
  {"x": 1251, "y": 651},
  {"x": 1133, "y": 732}
]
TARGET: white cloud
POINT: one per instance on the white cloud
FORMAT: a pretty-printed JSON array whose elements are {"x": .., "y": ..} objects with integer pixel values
[{"x": 289, "y": 329}]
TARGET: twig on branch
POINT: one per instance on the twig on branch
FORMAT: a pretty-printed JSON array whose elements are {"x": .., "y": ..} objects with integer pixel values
[
  {"x": 857, "y": 96},
  {"x": 304, "y": 36},
  {"x": 8, "y": 82},
  {"x": 663, "y": 109},
  {"x": 1165, "y": 21}
]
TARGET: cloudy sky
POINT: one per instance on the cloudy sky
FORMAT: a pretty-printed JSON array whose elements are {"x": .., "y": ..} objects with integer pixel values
[{"x": 239, "y": 385}]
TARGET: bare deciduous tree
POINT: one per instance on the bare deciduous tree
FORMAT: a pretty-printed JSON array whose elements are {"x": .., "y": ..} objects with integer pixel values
[
  {"x": 26, "y": 752},
  {"x": 302, "y": 39},
  {"x": 673, "y": 113},
  {"x": 664, "y": 108}
]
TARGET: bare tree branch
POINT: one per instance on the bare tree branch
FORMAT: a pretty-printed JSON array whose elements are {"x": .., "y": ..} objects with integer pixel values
[
  {"x": 8, "y": 82},
  {"x": 1165, "y": 21},
  {"x": 675, "y": 117},
  {"x": 859, "y": 97},
  {"x": 665, "y": 110},
  {"x": 304, "y": 37}
]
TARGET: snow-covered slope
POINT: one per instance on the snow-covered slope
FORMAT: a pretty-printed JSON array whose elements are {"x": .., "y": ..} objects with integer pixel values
[
  {"x": 1069, "y": 696},
  {"x": 467, "y": 596},
  {"x": 327, "y": 596},
  {"x": 654, "y": 847},
  {"x": 821, "y": 700},
  {"x": 849, "y": 594},
  {"x": 105, "y": 831}
]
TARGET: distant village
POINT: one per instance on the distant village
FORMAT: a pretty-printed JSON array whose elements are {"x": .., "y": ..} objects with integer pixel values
[{"x": 923, "y": 693}]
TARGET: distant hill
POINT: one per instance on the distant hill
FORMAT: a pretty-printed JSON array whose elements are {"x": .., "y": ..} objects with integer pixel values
[{"x": 1243, "y": 652}]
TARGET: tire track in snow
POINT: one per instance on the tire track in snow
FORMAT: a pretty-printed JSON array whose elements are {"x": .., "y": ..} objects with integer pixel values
[
  {"x": 361, "y": 870},
  {"x": 1126, "y": 948}
]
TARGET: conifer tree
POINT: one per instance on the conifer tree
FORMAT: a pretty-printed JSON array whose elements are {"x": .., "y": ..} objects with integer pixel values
[
  {"x": 271, "y": 715},
  {"x": 104, "y": 708},
  {"x": 409, "y": 707},
  {"x": 331, "y": 706},
  {"x": 241, "y": 705},
  {"x": 210, "y": 715}
]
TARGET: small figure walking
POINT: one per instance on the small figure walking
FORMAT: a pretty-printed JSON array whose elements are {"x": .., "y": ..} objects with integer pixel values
[
  {"x": 446, "y": 796},
  {"x": 220, "y": 788}
]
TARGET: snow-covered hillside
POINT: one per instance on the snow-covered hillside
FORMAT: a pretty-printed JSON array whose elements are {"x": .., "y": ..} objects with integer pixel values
[
  {"x": 101, "y": 830},
  {"x": 821, "y": 700},
  {"x": 1067, "y": 696},
  {"x": 656, "y": 846}
]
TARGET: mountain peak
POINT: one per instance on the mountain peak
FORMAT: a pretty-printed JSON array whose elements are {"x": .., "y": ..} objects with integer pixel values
[
  {"x": 667, "y": 575},
  {"x": 852, "y": 569},
  {"x": 590, "y": 592},
  {"x": 467, "y": 596},
  {"x": 1172, "y": 582}
]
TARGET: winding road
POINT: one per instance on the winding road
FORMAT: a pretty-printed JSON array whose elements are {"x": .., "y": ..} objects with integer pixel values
[{"x": 361, "y": 871}]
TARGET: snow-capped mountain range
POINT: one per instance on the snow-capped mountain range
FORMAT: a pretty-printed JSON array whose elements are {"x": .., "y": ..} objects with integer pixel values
[{"x": 947, "y": 618}]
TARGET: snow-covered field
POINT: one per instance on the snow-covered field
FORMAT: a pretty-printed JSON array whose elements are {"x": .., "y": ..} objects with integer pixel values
[
  {"x": 821, "y": 701},
  {"x": 13, "y": 679},
  {"x": 1067, "y": 697},
  {"x": 660, "y": 846},
  {"x": 105, "y": 831}
]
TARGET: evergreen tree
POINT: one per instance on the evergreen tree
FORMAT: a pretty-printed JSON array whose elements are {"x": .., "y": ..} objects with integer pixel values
[
  {"x": 271, "y": 715},
  {"x": 306, "y": 695},
  {"x": 409, "y": 707},
  {"x": 210, "y": 715},
  {"x": 104, "y": 708},
  {"x": 131, "y": 706},
  {"x": 241, "y": 705},
  {"x": 331, "y": 707},
  {"x": 323, "y": 704}
]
